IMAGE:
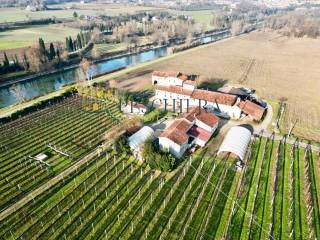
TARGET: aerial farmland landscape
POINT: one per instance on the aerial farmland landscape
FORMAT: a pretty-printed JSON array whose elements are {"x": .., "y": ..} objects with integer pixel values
[{"x": 159, "y": 119}]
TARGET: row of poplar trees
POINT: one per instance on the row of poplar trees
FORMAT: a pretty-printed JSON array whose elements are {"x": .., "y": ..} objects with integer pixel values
[
  {"x": 79, "y": 42},
  {"x": 47, "y": 54}
]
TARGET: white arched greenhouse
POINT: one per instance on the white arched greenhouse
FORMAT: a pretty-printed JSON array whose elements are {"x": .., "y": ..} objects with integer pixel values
[
  {"x": 236, "y": 141},
  {"x": 137, "y": 140}
]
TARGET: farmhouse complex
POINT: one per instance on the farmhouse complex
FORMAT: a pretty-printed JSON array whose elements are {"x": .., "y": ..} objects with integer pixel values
[
  {"x": 181, "y": 90},
  {"x": 202, "y": 108},
  {"x": 195, "y": 127}
]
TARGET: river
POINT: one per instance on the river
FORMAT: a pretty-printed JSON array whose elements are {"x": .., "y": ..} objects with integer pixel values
[{"x": 26, "y": 90}]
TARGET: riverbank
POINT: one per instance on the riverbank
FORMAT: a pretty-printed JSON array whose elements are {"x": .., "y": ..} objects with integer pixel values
[
  {"x": 110, "y": 56},
  {"x": 7, "y": 111},
  {"x": 73, "y": 66}
]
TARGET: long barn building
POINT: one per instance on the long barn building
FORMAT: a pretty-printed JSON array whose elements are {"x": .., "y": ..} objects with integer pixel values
[{"x": 177, "y": 86}]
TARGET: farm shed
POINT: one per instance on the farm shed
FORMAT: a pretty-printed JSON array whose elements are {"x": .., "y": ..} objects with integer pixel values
[
  {"x": 236, "y": 141},
  {"x": 137, "y": 140}
]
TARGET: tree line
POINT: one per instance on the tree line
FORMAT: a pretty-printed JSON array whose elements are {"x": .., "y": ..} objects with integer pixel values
[
  {"x": 79, "y": 42},
  {"x": 14, "y": 64},
  {"x": 296, "y": 24},
  {"x": 243, "y": 17},
  {"x": 44, "y": 57}
]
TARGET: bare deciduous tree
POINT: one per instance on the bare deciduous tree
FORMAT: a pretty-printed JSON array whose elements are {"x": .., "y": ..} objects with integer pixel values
[
  {"x": 18, "y": 91},
  {"x": 236, "y": 27}
]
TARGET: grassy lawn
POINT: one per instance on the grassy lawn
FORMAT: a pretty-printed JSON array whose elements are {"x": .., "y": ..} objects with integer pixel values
[
  {"x": 204, "y": 17},
  {"x": 252, "y": 194},
  {"x": 25, "y": 37},
  {"x": 13, "y": 74},
  {"x": 14, "y": 14},
  {"x": 11, "y": 44},
  {"x": 103, "y": 48},
  {"x": 267, "y": 211}
]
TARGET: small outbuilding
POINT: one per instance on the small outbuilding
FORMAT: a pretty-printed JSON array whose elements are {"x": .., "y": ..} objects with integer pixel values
[
  {"x": 134, "y": 108},
  {"x": 136, "y": 141},
  {"x": 236, "y": 142}
]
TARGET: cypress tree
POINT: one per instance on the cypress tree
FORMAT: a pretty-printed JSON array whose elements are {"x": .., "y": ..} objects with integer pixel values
[
  {"x": 6, "y": 62},
  {"x": 79, "y": 43},
  {"x": 67, "y": 44},
  {"x": 58, "y": 53},
  {"x": 88, "y": 36},
  {"x": 83, "y": 41},
  {"x": 25, "y": 61},
  {"x": 16, "y": 60},
  {"x": 71, "y": 45},
  {"x": 52, "y": 52},
  {"x": 43, "y": 51}
]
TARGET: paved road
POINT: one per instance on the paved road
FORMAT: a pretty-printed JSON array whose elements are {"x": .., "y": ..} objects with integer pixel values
[{"x": 46, "y": 186}]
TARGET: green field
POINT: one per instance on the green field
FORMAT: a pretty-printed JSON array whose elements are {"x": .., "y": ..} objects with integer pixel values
[
  {"x": 204, "y": 17},
  {"x": 201, "y": 16},
  {"x": 15, "y": 14},
  {"x": 104, "y": 48},
  {"x": 25, "y": 37},
  {"x": 111, "y": 196}
]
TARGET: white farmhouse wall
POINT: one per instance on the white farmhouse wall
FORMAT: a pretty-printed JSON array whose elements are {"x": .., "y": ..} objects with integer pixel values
[
  {"x": 189, "y": 86},
  {"x": 169, "y": 96},
  {"x": 199, "y": 142},
  {"x": 233, "y": 112},
  {"x": 172, "y": 147},
  {"x": 205, "y": 126},
  {"x": 167, "y": 81}
]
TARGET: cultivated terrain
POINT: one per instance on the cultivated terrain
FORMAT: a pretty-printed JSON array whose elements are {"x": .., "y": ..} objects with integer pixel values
[
  {"x": 278, "y": 68},
  {"x": 102, "y": 192}
]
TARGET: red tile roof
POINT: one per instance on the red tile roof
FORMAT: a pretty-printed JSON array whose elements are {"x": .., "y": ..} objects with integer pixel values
[
  {"x": 177, "y": 132},
  {"x": 207, "y": 118},
  {"x": 180, "y": 129},
  {"x": 252, "y": 109},
  {"x": 200, "y": 133},
  {"x": 183, "y": 77},
  {"x": 190, "y": 116},
  {"x": 210, "y": 96},
  {"x": 202, "y": 115},
  {"x": 174, "y": 89},
  {"x": 166, "y": 74}
]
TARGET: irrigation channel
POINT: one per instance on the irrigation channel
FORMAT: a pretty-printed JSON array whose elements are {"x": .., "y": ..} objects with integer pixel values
[{"x": 49, "y": 83}]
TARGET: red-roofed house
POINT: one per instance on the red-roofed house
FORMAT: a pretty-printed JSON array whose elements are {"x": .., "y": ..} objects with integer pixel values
[
  {"x": 195, "y": 127},
  {"x": 222, "y": 102},
  {"x": 254, "y": 110},
  {"x": 173, "y": 79},
  {"x": 201, "y": 136}
]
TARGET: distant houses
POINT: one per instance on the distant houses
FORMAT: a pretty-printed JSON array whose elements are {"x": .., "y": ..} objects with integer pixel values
[{"x": 195, "y": 127}]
